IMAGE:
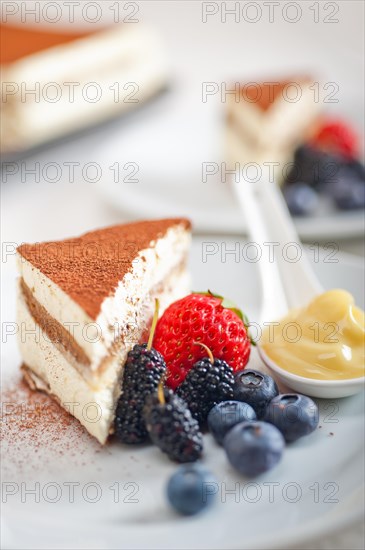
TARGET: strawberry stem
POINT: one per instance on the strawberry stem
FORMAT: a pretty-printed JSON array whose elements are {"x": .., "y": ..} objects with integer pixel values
[
  {"x": 154, "y": 323},
  {"x": 209, "y": 353}
]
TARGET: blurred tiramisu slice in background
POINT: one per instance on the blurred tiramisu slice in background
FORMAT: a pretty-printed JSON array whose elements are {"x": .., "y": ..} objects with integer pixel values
[
  {"x": 267, "y": 120},
  {"x": 55, "y": 83}
]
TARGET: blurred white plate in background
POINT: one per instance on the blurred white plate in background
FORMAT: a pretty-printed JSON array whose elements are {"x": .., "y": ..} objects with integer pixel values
[{"x": 167, "y": 153}]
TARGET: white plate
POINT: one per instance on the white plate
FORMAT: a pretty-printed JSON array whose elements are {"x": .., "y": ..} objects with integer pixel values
[{"x": 323, "y": 472}]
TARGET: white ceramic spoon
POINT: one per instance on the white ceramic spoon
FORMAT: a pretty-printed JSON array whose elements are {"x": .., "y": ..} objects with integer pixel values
[{"x": 286, "y": 284}]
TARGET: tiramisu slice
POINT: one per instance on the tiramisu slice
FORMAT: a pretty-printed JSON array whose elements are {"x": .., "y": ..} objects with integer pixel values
[
  {"x": 266, "y": 121},
  {"x": 84, "y": 302},
  {"x": 59, "y": 81}
]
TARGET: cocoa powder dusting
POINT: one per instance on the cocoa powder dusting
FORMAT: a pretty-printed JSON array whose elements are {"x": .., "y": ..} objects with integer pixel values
[
  {"x": 264, "y": 94},
  {"x": 88, "y": 268},
  {"x": 36, "y": 432}
]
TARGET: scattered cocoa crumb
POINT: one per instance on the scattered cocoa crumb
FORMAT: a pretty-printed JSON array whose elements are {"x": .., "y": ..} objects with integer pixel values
[
  {"x": 319, "y": 427},
  {"x": 38, "y": 434},
  {"x": 331, "y": 433}
]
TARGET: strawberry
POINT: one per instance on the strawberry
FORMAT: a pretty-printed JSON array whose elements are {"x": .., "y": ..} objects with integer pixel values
[
  {"x": 206, "y": 319},
  {"x": 337, "y": 137}
]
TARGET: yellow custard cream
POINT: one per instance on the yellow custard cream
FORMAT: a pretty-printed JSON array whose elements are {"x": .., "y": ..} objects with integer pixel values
[{"x": 324, "y": 340}]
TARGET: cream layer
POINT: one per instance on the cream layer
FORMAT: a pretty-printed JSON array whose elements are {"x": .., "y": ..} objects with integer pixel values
[
  {"x": 126, "y": 307},
  {"x": 283, "y": 124},
  {"x": 53, "y": 370}
]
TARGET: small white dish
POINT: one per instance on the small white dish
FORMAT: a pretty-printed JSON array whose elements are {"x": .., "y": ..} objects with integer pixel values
[{"x": 325, "y": 389}]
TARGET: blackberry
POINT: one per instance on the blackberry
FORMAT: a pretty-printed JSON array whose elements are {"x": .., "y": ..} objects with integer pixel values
[
  {"x": 143, "y": 371},
  {"x": 171, "y": 426},
  {"x": 209, "y": 382},
  {"x": 313, "y": 167},
  {"x": 357, "y": 168}
]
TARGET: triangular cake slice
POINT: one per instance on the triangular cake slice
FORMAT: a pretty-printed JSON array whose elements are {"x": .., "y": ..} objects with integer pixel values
[
  {"x": 84, "y": 302},
  {"x": 267, "y": 120},
  {"x": 275, "y": 113}
]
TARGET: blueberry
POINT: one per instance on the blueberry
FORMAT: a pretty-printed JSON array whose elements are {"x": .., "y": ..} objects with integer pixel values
[
  {"x": 343, "y": 180},
  {"x": 254, "y": 447},
  {"x": 255, "y": 388},
  {"x": 191, "y": 489},
  {"x": 348, "y": 190},
  {"x": 227, "y": 414},
  {"x": 301, "y": 199},
  {"x": 295, "y": 415}
]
